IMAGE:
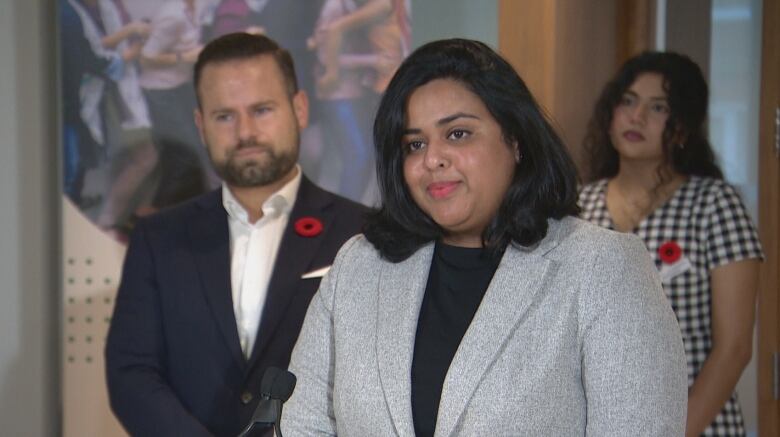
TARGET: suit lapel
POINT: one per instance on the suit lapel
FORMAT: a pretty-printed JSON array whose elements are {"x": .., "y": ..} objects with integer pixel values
[
  {"x": 210, "y": 238},
  {"x": 516, "y": 286},
  {"x": 401, "y": 291},
  {"x": 293, "y": 260}
]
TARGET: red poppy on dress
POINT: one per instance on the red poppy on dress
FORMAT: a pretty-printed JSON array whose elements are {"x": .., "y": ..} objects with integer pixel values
[
  {"x": 669, "y": 252},
  {"x": 308, "y": 227}
]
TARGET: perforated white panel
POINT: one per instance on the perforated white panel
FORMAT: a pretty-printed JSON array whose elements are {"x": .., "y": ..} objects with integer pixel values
[{"x": 92, "y": 264}]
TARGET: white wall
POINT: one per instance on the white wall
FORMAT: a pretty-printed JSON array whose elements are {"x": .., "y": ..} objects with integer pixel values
[{"x": 29, "y": 386}]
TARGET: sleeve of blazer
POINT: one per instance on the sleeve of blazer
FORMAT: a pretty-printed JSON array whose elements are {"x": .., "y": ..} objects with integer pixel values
[
  {"x": 633, "y": 361},
  {"x": 309, "y": 411},
  {"x": 135, "y": 370}
]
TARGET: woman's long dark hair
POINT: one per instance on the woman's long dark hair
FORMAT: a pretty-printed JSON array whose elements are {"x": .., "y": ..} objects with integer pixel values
[
  {"x": 688, "y": 97},
  {"x": 544, "y": 183}
]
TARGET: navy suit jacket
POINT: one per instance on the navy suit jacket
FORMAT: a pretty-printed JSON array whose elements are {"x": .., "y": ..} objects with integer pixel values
[{"x": 173, "y": 361}]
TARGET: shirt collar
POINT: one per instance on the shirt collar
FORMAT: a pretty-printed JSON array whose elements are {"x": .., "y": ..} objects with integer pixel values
[{"x": 278, "y": 203}]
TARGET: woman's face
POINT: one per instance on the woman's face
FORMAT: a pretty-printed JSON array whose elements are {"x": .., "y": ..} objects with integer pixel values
[
  {"x": 639, "y": 120},
  {"x": 456, "y": 163}
]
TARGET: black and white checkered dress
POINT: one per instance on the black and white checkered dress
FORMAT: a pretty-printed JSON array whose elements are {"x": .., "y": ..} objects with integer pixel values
[{"x": 705, "y": 217}]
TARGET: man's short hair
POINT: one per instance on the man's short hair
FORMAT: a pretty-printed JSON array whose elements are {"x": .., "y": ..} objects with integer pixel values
[{"x": 240, "y": 46}]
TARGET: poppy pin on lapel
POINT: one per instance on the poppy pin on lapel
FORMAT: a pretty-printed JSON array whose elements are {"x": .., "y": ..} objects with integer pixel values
[
  {"x": 670, "y": 252},
  {"x": 308, "y": 227}
]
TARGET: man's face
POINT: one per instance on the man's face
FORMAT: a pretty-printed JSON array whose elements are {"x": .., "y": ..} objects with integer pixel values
[{"x": 249, "y": 122}]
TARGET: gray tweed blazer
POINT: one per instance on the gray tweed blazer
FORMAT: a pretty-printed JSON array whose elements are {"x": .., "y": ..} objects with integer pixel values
[{"x": 573, "y": 337}]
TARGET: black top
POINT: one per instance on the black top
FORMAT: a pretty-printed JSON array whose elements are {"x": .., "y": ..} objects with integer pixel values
[{"x": 457, "y": 282}]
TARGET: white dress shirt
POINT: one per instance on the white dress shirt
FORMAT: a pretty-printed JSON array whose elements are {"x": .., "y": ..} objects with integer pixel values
[{"x": 253, "y": 249}]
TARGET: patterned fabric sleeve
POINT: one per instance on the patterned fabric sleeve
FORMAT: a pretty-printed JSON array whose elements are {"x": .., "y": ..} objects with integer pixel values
[{"x": 731, "y": 235}]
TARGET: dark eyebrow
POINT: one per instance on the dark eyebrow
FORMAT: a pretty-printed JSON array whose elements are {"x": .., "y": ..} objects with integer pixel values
[
  {"x": 455, "y": 116},
  {"x": 268, "y": 102},
  {"x": 443, "y": 121},
  {"x": 661, "y": 98},
  {"x": 221, "y": 110}
]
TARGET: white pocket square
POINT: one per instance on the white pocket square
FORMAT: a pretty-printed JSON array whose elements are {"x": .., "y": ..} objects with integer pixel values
[{"x": 316, "y": 273}]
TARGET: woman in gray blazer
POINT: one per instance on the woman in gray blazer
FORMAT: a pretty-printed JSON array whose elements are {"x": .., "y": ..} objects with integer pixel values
[{"x": 475, "y": 304}]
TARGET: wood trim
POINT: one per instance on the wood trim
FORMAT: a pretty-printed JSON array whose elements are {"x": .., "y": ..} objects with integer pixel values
[
  {"x": 527, "y": 40},
  {"x": 634, "y": 28},
  {"x": 565, "y": 53},
  {"x": 769, "y": 222}
]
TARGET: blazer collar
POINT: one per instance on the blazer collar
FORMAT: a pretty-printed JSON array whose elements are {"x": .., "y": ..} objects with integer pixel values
[
  {"x": 516, "y": 286},
  {"x": 295, "y": 257},
  {"x": 210, "y": 200},
  {"x": 210, "y": 239},
  {"x": 401, "y": 290}
]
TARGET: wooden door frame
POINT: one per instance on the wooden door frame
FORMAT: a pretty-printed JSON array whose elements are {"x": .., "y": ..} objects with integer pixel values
[{"x": 769, "y": 222}]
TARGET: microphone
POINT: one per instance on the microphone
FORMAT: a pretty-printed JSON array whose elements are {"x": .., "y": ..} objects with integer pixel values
[{"x": 275, "y": 388}]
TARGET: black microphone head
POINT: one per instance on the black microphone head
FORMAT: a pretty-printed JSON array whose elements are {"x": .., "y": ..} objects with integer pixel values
[
  {"x": 267, "y": 383},
  {"x": 283, "y": 386},
  {"x": 277, "y": 384}
]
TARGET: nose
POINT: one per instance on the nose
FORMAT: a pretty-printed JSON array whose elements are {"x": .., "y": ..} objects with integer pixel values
[
  {"x": 246, "y": 128},
  {"x": 436, "y": 156},
  {"x": 639, "y": 113}
]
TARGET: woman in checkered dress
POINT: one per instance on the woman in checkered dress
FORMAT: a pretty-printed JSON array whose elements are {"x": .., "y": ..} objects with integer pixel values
[{"x": 654, "y": 174}]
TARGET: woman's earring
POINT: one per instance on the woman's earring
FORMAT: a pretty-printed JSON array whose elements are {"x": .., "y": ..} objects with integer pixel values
[{"x": 518, "y": 156}]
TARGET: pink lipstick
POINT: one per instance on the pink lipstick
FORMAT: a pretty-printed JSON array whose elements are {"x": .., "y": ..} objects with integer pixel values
[{"x": 440, "y": 190}]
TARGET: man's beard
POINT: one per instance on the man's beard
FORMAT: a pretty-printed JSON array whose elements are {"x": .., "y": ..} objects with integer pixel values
[{"x": 253, "y": 172}]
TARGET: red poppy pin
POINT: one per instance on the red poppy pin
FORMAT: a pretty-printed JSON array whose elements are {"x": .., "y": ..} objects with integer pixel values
[
  {"x": 669, "y": 252},
  {"x": 308, "y": 227}
]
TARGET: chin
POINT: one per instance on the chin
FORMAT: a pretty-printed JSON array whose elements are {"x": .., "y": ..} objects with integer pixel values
[
  {"x": 447, "y": 212},
  {"x": 449, "y": 223}
]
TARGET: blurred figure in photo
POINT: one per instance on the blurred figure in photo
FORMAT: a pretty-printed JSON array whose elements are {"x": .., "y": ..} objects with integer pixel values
[
  {"x": 359, "y": 46},
  {"x": 80, "y": 150},
  {"x": 167, "y": 58},
  {"x": 116, "y": 112},
  {"x": 229, "y": 16}
]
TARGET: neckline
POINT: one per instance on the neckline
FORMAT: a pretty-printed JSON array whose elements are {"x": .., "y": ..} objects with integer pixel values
[
  {"x": 468, "y": 258},
  {"x": 640, "y": 224}
]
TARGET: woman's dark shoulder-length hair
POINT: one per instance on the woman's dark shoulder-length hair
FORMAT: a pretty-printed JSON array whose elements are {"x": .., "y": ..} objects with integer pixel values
[
  {"x": 545, "y": 181},
  {"x": 685, "y": 145}
]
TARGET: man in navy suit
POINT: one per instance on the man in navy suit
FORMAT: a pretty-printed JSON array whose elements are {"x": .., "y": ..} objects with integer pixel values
[{"x": 215, "y": 290}]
